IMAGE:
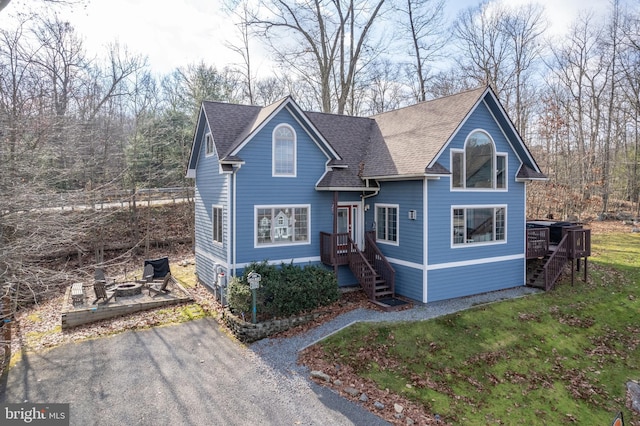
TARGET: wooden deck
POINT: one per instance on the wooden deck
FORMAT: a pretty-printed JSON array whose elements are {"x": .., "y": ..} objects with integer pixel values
[{"x": 548, "y": 259}]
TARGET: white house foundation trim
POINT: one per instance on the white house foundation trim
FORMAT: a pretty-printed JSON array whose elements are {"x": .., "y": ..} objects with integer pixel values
[
  {"x": 475, "y": 262},
  {"x": 401, "y": 262}
]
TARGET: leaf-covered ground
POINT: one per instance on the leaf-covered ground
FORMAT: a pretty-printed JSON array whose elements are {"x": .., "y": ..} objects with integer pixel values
[{"x": 559, "y": 357}]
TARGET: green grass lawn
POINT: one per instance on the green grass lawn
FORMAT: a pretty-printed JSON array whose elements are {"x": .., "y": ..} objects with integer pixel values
[{"x": 558, "y": 357}]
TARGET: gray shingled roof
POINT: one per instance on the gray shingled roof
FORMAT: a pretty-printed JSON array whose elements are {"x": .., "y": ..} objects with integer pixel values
[
  {"x": 404, "y": 142},
  {"x": 411, "y": 137},
  {"x": 227, "y": 122},
  {"x": 350, "y": 137},
  {"x": 527, "y": 172}
]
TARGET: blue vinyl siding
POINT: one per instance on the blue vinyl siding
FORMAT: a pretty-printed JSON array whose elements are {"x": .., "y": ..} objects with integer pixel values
[
  {"x": 346, "y": 277},
  {"x": 441, "y": 198},
  {"x": 450, "y": 271},
  {"x": 408, "y": 196},
  {"x": 212, "y": 188},
  {"x": 257, "y": 186},
  {"x": 408, "y": 282},
  {"x": 474, "y": 279},
  {"x": 475, "y": 275}
]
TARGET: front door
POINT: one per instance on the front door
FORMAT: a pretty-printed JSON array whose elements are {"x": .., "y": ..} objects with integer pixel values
[{"x": 348, "y": 221}]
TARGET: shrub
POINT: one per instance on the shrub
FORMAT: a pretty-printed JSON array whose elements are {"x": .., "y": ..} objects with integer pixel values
[
  {"x": 238, "y": 295},
  {"x": 284, "y": 291}
]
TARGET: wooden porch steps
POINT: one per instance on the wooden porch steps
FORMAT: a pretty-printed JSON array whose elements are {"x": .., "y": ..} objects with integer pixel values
[
  {"x": 535, "y": 276},
  {"x": 381, "y": 289}
]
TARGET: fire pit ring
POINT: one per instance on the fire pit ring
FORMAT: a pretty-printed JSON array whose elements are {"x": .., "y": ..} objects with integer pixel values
[{"x": 128, "y": 289}]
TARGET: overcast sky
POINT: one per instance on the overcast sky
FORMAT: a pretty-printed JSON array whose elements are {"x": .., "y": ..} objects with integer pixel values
[{"x": 179, "y": 32}]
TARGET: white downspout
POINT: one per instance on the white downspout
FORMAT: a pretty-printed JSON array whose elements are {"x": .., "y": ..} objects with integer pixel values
[
  {"x": 234, "y": 243},
  {"x": 425, "y": 250}
]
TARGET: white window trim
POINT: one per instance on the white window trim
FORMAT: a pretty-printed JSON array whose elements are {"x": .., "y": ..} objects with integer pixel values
[
  {"x": 273, "y": 153},
  {"x": 463, "y": 171},
  {"x": 271, "y": 206},
  {"x": 397, "y": 207},
  {"x": 480, "y": 243},
  {"x": 208, "y": 137},
  {"x": 464, "y": 166},
  {"x": 213, "y": 208},
  {"x": 506, "y": 171}
]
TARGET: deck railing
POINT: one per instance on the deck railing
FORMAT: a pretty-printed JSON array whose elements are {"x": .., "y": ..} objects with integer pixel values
[
  {"x": 334, "y": 248},
  {"x": 537, "y": 242},
  {"x": 554, "y": 266},
  {"x": 579, "y": 242}
]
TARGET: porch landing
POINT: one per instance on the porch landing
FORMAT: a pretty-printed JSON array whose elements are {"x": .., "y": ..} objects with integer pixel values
[{"x": 86, "y": 312}]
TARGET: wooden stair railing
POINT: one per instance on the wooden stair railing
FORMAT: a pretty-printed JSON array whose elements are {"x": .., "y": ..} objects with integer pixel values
[
  {"x": 363, "y": 270},
  {"x": 372, "y": 270},
  {"x": 554, "y": 266},
  {"x": 381, "y": 265}
]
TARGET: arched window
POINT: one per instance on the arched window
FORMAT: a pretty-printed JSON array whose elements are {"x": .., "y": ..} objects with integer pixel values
[
  {"x": 284, "y": 151},
  {"x": 478, "y": 153},
  {"x": 478, "y": 166}
]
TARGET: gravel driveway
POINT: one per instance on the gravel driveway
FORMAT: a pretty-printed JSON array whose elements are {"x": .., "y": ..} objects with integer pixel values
[
  {"x": 188, "y": 374},
  {"x": 193, "y": 374}
]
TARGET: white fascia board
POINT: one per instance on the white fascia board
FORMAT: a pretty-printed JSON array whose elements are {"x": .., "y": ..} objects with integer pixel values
[
  {"x": 513, "y": 130},
  {"x": 317, "y": 137},
  {"x": 200, "y": 114},
  {"x": 255, "y": 131},
  {"x": 457, "y": 129}
]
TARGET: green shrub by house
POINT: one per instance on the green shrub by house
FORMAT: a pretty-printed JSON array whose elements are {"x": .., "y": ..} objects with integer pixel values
[{"x": 284, "y": 291}]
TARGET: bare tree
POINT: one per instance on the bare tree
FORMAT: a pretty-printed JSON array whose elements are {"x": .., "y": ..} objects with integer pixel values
[
  {"x": 422, "y": 24},
  {"x": 323, "y": 42},
  {"x": 523, "y": 27},
  {"x": 384, "y": 88},
  {"x": 4, "y": 3},
  {"x": 241, "y": 12},
  {"x": 500, "y": 46},
  {"x": 484, "y": 46}
]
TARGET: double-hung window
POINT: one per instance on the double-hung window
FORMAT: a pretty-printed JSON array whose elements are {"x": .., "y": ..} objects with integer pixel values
[
  {"x": 217, "y": 221},
  {"x": 387, "y": 223},
  {"x": 478, "y": 165},
  {"x": 475, "y": 225},
  {"x": 282, "y": 225},
  {"x": 284, "y": 151}
]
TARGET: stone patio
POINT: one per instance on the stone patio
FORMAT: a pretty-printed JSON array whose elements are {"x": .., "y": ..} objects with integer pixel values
[{"x": 78, "y": 313}]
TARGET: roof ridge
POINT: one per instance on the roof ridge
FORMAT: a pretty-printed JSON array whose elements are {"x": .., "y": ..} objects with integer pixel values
[{"x": 479, "y": 88}]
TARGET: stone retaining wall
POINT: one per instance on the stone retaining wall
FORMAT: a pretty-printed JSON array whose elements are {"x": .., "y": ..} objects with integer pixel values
[{"x": 248, "y": 332}]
